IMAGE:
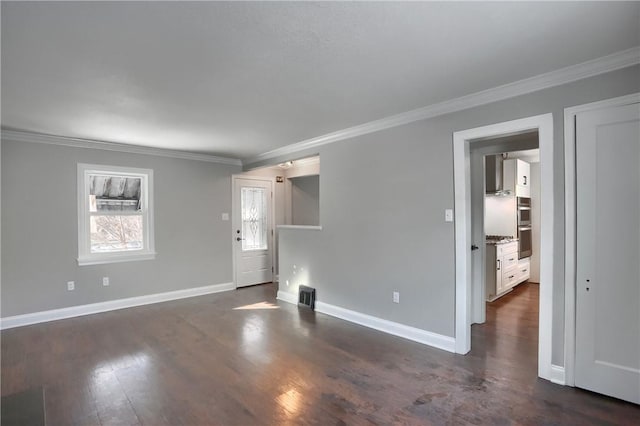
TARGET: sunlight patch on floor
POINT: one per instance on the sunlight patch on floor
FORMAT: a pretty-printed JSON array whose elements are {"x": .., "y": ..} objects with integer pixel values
[{"x": 259, "y": 305}]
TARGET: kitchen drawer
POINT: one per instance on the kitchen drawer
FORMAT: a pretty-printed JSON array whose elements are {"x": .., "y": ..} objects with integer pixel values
[
  {"x": 509, "y": 261},
  {"x": 510, "y": 248},
  {"x": 523, "y": 274},
  {"x": 510, "y": 278},
  {"x": 504, "y": 249},
  {"x": 524, "y": 269}
]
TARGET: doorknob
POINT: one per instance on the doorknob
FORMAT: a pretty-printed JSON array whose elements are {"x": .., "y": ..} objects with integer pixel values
[
  {"x": 239, "y": 239},
  {"x": 474, "y": 247}
]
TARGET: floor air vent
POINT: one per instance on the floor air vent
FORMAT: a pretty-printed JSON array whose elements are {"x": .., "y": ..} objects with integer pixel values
[{"x": 307, "y": 297}]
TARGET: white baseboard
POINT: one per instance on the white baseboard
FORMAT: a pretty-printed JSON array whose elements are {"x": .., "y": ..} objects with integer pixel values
[
  {"x": 285, "y": 296},
  {"x": 557, "y": 375},
  {"x": 411, "y": 333},
  {"x": 110, "y": 305}
]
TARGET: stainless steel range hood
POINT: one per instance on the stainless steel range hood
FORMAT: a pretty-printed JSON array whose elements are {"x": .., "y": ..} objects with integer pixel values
[{"x": 493, "y": 169}]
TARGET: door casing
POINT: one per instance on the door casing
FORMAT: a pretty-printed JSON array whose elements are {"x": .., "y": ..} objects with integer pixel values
[
  {"x": 463, "y": 238},
  {"x": 271, "y": 225}
]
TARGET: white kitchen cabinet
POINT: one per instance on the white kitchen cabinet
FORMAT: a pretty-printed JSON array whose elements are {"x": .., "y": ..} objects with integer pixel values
[
  {"x": 517, "y": 177},
  {"x": 509, "y": 265},
  {"x": 524, "y": 269},
  {"x": 503, "y": 269},
  {"x": 493, "y": 272}
]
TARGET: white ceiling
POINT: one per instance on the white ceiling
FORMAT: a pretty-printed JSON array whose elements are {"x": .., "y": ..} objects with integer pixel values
[{"x": 239, "y": 79}]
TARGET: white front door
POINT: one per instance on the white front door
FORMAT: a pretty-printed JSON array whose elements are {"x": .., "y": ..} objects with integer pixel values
[
  {"x": 608, "y": 251},
  {"x": 252, "y": 231}
]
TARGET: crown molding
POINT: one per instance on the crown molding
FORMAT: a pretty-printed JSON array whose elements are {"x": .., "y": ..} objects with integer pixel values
[
  {"x": 605, "y": 64},
  {"x": 303, "y": 162},
  {"x": 307, "y": 161},
  {"x": 23, "y": 136}
]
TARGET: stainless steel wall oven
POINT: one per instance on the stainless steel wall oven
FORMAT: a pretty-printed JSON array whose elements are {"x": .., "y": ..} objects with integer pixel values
[
  {"x": 524, "y": 211},
  {"x": 524, "y": 227}
]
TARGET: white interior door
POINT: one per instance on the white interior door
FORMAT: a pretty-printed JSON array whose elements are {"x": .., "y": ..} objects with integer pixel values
[
  {"x": 608, "y": 251},
  {"x": 252, "y": 231}
]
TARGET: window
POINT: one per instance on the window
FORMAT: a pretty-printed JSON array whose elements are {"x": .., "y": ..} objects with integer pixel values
[
  {"x": 254, "y": 218},
  {"x": 115, "y": 214}
]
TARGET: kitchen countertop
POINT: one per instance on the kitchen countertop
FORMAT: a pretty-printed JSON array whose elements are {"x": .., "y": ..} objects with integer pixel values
[{"x": 498, "y": 242}]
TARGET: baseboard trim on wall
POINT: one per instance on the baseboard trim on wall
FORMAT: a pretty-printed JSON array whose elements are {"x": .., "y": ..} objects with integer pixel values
[
  {"x": 557, "y": 375},
  {"x": 411, "y": 333},
  {"x": 110, "y": 305},
  {"x": 285, "y": 296}
]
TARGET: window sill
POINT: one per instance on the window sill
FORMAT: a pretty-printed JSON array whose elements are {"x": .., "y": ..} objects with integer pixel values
[{"x": 115, "y": 258}]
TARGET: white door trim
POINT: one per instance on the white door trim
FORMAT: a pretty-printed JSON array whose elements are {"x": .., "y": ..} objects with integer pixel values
[
  {"x": 271, "y": 225},
  {"x": 461, "y": 141},
  {"x": 570, "y": 224}
]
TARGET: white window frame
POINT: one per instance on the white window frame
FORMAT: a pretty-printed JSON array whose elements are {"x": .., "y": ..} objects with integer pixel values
[{"x": 85, "y": 257}]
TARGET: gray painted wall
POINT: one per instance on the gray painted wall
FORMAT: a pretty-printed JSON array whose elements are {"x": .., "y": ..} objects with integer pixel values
[
  {"x": 39, "y": 228},
  {"x": 305, "y": 200},
  {"x": 386, "y": 231},
  {"x": 381, "y": 232},
  {"x": 0, "y": 226}
]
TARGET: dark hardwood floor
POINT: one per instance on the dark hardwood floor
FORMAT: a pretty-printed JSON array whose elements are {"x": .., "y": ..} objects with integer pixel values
[{"x": 241, "y": 358}]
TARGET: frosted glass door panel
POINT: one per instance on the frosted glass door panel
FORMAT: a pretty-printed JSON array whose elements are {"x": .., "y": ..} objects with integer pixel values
[{"x": 254, "y": 218}]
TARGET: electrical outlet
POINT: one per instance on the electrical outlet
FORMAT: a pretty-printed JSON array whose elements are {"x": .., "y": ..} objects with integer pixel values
[
  {"x": 71, "y": 285},
  {"x": 396, "y": 297},
  {"x": 105, "y": 281}
]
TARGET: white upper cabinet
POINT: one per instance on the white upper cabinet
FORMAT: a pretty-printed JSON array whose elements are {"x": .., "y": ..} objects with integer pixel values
[
  {"x": 523, "y": 174},
  {"x": 517, "y": 177}
]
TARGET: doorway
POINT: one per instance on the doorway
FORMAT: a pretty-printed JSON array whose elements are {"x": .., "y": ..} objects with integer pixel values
[
  {"x": 503, "y": 234},
  {"x": 469, "y": 299},
  {"x": 506, "y": 328},
  {"x": 295, "y": 186},
  {"x": 252, "y": 224}
]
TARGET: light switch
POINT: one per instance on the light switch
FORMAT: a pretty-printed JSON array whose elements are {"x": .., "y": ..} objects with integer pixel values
[
  {"x": 225, "y": 216},
  {"x": 448, "y": 215}
]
